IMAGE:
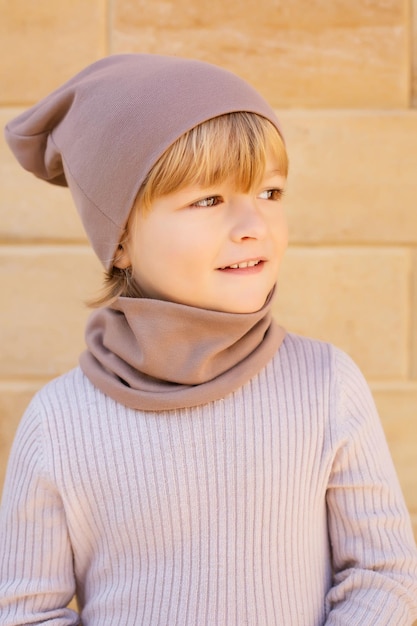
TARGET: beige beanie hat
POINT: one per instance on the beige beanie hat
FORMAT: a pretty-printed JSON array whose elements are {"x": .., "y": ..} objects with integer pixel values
[{"x": 103, "y": 130}]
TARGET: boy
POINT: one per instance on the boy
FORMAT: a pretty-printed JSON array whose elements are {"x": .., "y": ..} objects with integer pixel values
[{"x": 201, "y": 466}]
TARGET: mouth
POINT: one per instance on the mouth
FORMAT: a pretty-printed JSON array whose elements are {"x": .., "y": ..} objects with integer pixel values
[{"x": 244, "y": 265}]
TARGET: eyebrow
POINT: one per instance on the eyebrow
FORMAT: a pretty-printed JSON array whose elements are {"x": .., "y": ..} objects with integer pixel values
[{"x": 274, "y": 172}]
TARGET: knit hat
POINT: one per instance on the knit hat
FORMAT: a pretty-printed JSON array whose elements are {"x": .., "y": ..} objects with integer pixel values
[{"x": 104, "y": 129}]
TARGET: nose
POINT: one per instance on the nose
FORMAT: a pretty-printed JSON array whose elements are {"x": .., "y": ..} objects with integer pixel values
[{"x": 247, "y": 220}]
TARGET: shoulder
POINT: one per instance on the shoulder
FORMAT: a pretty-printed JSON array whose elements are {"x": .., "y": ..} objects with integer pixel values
[
  {"x": 322, "y": 368},
  {"x": 64, "y": 391},
  {"x": 299, "y": 345},
  {"x": 306, "y": 356},
  {"x": 317, "y": 355},
  {"x": 53, "y": 409},
  {"x": 66, "y": 400},
  {"x": 65, "y": 417}
]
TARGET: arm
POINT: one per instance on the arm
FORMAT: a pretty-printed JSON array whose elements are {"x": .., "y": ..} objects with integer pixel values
[
  {"x": 374, "y": 553},
  {"x": 36, "y": 573}
]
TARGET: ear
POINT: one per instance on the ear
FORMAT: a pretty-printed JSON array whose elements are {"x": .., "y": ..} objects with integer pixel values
[{"x": 122, "y": 258}]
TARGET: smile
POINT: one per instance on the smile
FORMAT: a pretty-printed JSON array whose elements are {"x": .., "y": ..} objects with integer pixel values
[{"x": 241, "y": 265}]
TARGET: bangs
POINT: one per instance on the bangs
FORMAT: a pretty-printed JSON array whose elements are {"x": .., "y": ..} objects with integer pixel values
[{"x": 232, "y": 147}]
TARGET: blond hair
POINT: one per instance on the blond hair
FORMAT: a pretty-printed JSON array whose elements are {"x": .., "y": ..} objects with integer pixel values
[{"x": 232, "y": 147}]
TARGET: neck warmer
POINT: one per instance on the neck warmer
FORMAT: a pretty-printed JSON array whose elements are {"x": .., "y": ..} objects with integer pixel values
[{"x": 156, "y": 355}]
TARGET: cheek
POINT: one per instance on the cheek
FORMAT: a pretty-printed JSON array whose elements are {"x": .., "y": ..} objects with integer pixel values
[
  {"x": 163, "y": 246},
  {"x": 177, "y": 246},
  {"x": 285, "y": 237},
  {"x": 280, "y": 230},
  {"x": 185, "y": 239},
  {"x": 150, "y": 237}
]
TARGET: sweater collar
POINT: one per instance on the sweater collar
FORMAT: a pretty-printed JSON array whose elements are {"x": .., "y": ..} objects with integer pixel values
[{"x": 157, "y": 355}]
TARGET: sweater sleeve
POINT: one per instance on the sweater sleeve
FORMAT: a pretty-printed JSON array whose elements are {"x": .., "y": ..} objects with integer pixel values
[
  {"x": 373, "y": 549},
  {"x": 36, "y": 573}
]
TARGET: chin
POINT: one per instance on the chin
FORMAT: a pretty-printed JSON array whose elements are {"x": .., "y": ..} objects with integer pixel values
[{"x": 250, "y": 305}]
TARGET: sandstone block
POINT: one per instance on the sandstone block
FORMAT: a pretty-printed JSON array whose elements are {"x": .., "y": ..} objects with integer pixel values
[
  {"x": 352, "y": 176},
  {"x": 45, "y": 42},
  {"x": 356, "y": 298},
  {"x": 42, "y": 319},
  {"x": 413, "y": 318},
  {"x": 316, "y": 54},
  {"x": 414, "y": 51}
]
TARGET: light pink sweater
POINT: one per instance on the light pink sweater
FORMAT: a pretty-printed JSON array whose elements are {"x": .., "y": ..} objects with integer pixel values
[{"x": 276, "y": 505}]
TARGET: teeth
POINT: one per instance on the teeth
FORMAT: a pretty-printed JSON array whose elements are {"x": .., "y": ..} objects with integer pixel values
[{"x": 245, "y": 264}]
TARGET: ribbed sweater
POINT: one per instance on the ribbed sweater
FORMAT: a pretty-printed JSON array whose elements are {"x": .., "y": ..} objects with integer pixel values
[{"x": 278, "y": 505}]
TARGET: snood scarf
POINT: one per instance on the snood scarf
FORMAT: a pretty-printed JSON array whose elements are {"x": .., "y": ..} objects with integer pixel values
[{"x": 156, "y": 355}]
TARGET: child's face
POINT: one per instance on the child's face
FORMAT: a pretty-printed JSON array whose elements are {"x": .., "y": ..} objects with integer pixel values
[{"x": 188, "y": 247}]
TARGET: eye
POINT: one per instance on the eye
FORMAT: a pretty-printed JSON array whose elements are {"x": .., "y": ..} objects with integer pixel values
[
  {"x": 210, "y": 201},
  {"x": 271, "y": 194}
]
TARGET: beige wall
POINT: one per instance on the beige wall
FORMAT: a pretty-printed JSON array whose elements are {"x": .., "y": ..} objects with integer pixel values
[{"x": 342, "y": 77}]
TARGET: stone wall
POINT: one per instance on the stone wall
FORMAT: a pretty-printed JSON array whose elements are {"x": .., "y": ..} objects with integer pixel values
[{"x": 342, "y": 76}]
